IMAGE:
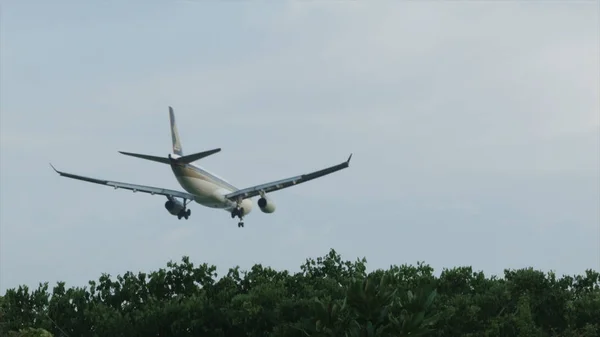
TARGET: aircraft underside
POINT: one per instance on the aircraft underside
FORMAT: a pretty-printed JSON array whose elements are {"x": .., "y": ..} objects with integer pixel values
[
  {"x": 179, "y": 209},
  {"x": 209, "y": 195}
]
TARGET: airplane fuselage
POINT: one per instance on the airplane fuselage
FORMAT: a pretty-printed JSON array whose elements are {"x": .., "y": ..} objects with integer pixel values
[{"x": 209, "y": 189}]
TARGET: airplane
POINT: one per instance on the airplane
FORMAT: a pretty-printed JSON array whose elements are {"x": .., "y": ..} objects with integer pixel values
[{"x": 204, "y": 187}]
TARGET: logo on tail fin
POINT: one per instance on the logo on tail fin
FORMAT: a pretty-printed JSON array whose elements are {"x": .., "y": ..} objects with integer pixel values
[{"x": 174, "y": 134}]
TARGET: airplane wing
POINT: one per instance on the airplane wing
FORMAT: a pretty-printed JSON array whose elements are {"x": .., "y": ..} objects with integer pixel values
[
  {"x": 284, "y": 183},
  {"x": 132, "y": 187}
]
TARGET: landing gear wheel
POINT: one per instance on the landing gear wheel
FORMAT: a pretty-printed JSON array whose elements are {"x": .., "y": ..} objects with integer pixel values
[
  {"x": 239, "y": 212},
  {"x": 184, "y": 213}
]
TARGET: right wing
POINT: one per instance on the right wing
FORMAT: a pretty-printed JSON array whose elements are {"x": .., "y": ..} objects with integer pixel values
[
  {"x": 132, "y": 187},
  {"x": 284, "y": 183}
]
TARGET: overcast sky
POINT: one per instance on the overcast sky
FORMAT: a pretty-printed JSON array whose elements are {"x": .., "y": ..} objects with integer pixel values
[{"x": 475, "y": 128}]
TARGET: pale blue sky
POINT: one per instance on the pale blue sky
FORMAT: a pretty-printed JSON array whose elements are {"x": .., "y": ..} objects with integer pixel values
[{"x": 475, "y": 130}]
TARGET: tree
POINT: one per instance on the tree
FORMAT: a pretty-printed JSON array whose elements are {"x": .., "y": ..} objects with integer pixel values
[
  {"x": 328, "y": 297},
  {"x": 30, "y": 332}
]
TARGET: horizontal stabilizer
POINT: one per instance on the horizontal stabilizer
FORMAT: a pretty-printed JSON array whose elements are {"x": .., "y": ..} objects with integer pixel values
[
  {"x": 193, "y": 157},
  {"x": 163, "y": 160}
]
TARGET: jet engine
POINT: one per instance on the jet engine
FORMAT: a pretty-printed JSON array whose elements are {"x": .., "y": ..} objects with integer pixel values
[
  {"x": 266, "y": 205},
  {"x": 174, "y": 206}
]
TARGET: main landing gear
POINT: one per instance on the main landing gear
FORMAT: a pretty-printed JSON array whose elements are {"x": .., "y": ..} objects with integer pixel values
[
  {"x": 239, "y": 212},
  {"x": 184, "y": 214}
]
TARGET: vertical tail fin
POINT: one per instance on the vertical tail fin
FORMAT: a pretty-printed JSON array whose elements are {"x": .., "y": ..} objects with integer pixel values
[{"x": 174, "y": 134}]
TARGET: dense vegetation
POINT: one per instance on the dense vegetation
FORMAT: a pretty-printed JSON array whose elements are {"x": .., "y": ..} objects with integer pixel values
[{"x": 329, "y": 297}]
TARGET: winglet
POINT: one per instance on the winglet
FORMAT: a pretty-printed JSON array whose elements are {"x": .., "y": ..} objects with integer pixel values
[
  {"x": 54, "y": 168},
  {"x": 348, "y": 161}
]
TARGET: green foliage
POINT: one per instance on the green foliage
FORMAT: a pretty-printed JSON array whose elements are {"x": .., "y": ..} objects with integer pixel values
[
  {"x": 328, "y": 297},
  {"x": 30, "y": 332}
]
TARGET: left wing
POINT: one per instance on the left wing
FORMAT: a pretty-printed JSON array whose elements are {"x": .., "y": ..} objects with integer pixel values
[
  {"x": 132, "y": 187},
  {"x": 284, "y": 183}
]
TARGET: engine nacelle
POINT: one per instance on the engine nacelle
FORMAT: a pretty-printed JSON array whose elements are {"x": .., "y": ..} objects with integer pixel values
[
  {"x": 266, "y": 205},
  {"x": 174, "y": 206}
]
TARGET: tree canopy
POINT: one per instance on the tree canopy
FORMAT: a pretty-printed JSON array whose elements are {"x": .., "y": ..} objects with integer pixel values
[{"x": 328, "y": 297}]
